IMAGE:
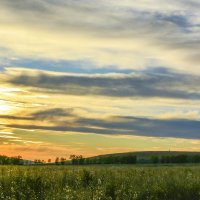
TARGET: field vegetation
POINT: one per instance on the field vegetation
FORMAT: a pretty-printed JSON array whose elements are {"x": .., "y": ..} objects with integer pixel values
[{"x": 100, "y": 182}]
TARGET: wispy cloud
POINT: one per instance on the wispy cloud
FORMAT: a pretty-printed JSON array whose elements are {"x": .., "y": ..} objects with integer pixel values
[
  {"x": 113, "y": 125},
  {"x": 150, "y": 84},
  {"x": 126, "y": 34}
]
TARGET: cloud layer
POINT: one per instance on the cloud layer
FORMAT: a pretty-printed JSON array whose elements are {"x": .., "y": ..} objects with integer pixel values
[
  {"x": 68, "y": 121},
  {"x": 155, "y": 83},
  {"x": 125, "y": 34}
]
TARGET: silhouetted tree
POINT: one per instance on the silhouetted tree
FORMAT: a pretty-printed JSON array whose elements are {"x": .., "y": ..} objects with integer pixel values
[
  {"x": 73, "y": 159},
  {"x": 62, "y": 161},
  {"x": 57, "y": 161},
  {"x": 16, "y": 160},
  {"x": 77, "y": 159}
]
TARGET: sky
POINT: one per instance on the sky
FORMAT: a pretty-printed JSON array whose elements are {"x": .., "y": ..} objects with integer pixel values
[{"x": 98, "y": 77}]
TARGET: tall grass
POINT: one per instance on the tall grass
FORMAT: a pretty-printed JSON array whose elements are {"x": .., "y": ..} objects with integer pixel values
[{"x": 99, "y": 183}]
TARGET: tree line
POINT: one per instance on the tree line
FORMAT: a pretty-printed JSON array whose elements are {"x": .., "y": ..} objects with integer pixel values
[
  {"x": 183, "y": 158},
  {"x": 132, "y": 159},
  {"x": 129, "y": 159},
  {"x": 5, "y": 160},
  {"x": 107, "y": 159},
  {"x": 80, "y": 160}
]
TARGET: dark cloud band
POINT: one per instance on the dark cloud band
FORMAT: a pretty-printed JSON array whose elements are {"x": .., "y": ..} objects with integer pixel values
[
  {"x": 156, "y": 83},
  {"x": 114, "y": 125}
]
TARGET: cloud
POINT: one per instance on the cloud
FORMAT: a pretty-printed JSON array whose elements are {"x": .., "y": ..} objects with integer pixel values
[
  {"x": 113, "y": 125},
  {"x": 77, "y": 129},
  {"x": 12, "y": 117},
  {"x": 52, "y": 113},
  {"x": 122, "y": 34},
  {"x": 154, "y": 83},
  {"x": 174, "y": 128},
  {"x": 179, "y": 128},
  {"x": 8, "y": 137}
]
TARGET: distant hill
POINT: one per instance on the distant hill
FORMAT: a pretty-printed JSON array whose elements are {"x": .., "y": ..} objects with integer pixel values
[{"x": 146, "y": 156}]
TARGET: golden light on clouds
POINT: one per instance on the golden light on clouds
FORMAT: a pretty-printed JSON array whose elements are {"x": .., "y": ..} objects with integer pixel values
[{"x": 6, "y": 108}]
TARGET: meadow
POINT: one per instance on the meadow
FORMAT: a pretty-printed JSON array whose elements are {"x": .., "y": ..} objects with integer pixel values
[{"x": 100, "y": 182}]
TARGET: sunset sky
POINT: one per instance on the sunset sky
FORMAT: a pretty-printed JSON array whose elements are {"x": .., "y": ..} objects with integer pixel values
[{"x": 93, "y": 77}]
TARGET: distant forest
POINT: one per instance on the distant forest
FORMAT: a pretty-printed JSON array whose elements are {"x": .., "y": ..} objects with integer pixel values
[
  {"x": 105, "y": 159},
  {"x": 133, "y": 159}
]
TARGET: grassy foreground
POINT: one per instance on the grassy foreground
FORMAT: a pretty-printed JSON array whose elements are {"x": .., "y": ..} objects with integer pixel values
[{"x": 100, "y": 182}]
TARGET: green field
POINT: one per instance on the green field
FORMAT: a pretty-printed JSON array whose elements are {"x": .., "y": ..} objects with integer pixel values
[{"x": 103, "y": 182}]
